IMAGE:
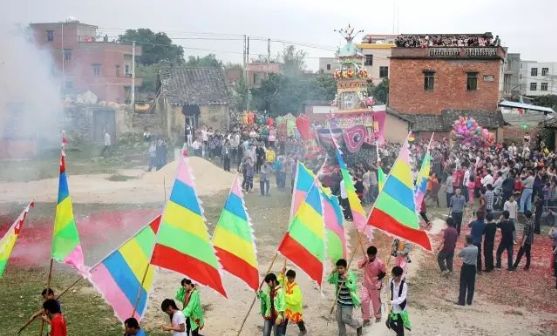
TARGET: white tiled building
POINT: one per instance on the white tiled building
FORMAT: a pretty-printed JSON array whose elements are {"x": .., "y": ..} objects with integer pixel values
[{"x": 538, "y": 78}]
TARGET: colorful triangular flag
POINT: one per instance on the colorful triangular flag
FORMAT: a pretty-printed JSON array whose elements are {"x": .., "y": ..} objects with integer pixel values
[
  {"x": 7, "y": 242},
  {"x": 234, "y": 241},
  {"x": 395, "y": 208},
  {"x": 66, "y": 245},
  {"x": 183, "y": 243}
]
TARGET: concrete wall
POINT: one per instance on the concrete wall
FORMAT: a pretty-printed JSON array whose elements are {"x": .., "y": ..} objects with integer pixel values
[
  {"x": 550, "y": 79},
  {"x": 380, "y": 59},
  {"x": 396, "y": 129},
  {"x": 407, "y": 93}
]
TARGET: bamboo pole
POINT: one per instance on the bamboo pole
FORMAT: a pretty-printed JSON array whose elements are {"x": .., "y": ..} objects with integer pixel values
[
  {"x": 138, "y": 295},
  {"x": 47, "y": 287},
  {"x": 255, "y": 297},
  {"x": 37, "y": 314}
]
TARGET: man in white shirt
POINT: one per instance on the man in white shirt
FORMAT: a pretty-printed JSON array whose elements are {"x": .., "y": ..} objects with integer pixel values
[
  {"x": 398, "y": 318},
  {"x": 107, "y": 143},
  {"x": 178, "y": 324},
  {"x": 487, "y": 179}
]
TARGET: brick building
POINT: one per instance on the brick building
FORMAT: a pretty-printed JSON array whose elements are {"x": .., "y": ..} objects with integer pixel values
[
  {"x": 85, "y": 63},
  {"x": 436, "y": 75}
]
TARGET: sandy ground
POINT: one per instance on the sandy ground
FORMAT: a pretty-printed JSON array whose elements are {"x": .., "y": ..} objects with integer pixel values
[
  {"x": 141, "y": 187},
  {"x": 432, "y": 315}
]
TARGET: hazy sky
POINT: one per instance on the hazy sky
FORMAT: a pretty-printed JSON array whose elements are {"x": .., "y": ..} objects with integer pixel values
[{"x": 527, "y": 27}]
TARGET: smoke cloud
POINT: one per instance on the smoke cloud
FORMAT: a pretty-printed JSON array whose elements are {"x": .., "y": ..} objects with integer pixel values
[{"x": 30, "y": 96}]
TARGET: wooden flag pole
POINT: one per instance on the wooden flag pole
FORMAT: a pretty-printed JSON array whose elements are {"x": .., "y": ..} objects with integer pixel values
[
  {"x": 38, "y": 313},
  {"x": 49, "y": 279},
  {"x": 138, "y": 295},
  {"x": 347, "y": 268},
  {"x": 255, "y": 297},
  {"x": 360, "y": 238}
]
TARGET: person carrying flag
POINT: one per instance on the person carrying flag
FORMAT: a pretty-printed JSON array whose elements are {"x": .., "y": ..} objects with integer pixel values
[{"x": 293, "y": 312}]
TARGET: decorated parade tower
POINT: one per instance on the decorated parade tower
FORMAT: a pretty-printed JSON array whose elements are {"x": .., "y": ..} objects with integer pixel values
[{"x": 354, "y": 119}]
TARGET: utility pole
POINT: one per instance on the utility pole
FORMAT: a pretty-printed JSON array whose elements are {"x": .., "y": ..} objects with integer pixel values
[
  {"x": 63, "y": 61},
  {"x": 244, "y": 53},
  {"x": 268, "y": 51},
  {"x": 133, "y": 77}
]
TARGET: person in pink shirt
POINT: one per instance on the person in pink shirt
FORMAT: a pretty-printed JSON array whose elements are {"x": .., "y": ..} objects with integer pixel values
[
  {"x": 374, "y": 272},
  {"x": 471, "y": 186}
]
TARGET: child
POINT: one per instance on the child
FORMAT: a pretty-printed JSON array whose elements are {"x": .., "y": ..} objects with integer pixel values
[
  {"x": 177, "y": 318},
  {"x": 398, "y": 318},
  {"x": 191, "y": 303},
  {"x": 53, "y": 316},
  {"x": 132, "y": 328},
  {"x": 374, "y": 272},
  {"x": 346, "y": 297},
  {"x": 272, "y": 306},
  {"x": 293, "y": 298}
]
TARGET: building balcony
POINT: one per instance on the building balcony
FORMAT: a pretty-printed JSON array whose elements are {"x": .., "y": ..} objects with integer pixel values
[{"x": 482, "y": 53}]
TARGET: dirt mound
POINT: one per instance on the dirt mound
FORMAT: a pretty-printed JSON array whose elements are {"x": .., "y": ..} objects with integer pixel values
[
  {"x": 208, "y": 177},
  {"x": 137, "y": 187}
]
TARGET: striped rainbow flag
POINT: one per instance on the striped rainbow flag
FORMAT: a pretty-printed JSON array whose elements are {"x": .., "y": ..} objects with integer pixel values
[
  {"x": 421, "y": 181},
  {"x": 9, "y": 239},
  {"x": 337, "y": 244},
  {"x": 302, "y": 184},
  {"x": 234, "y": 241},
  {"x": 395, "y": 208},
  {"x": 66, "y": 246},
  {"x": 304, "y": 243},
  {"x": 380, "y": 178},
  {"x": 358, "y": 212},
  {"x": 183, "y": 243},
  {"x": 119, "y": 276}
]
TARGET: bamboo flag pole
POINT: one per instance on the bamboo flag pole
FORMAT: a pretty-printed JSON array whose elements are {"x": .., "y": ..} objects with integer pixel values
[
  {"x": 138, "y": 294},
  {"x": 255, "y": 296},
  {"x": 38, "y": 313},
  {"x": 342, "y": 181},
  {"x": 49, "y": 279},
  {"x": 359, "y": 237}
]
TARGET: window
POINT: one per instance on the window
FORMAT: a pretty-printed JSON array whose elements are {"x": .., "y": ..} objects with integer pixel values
[
  {"x": 369, "y": 60},
  {"x": 67, "y": 55},
  {"x": 328, "y": 67},
  {"x": 471, "y": 81},
  {"x": 117, "y": 70},
  {"x": 383, "y": 72},
  {"x": 429, "y": 80},
  {"x": 127, "y": 70},
  {"x": 543, "y": 87},
  {"x": 533, "y": 86},
  {"x": 96, "y": 70},
  {"x": 534, "y": 72},
  {"x": 545, "y": 71},
  {"x": 69, "y": 85},
  {"x": 50, "y": 35}
]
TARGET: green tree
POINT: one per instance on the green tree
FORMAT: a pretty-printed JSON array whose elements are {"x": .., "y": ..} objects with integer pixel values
[
  {"x": 156, "y": 47},
  {"x": 324, "y": 87},
  {"x": 547, "y": 101},
  {"x": 205, "y": 61},
  {"x": 380, "y": 92},
  {"x": 149, "y": 75},
  {"x": 240, "y": 95},
  {"x": 293, "y": 61}
]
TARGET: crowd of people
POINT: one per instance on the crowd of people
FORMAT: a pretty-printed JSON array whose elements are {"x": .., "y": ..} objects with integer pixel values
[
  {"x": 510, "y": 191},
  {"x": 425, "y": 41}
]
